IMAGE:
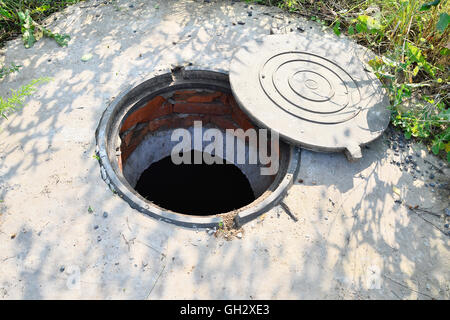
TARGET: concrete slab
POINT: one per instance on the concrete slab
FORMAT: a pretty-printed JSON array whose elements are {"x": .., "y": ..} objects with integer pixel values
[{"x": 352, "y": 239}]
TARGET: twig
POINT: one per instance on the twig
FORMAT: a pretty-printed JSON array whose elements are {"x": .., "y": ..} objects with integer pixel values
[
  {"x": 406, "y": 287},
  {"x": 288, "y": 211},
  {"x": 429, "y": 212},
  {"x": 396, "y": 295},
  {"x": 128, "y": 241},
  {"x": 128, "y": 224},
  {"x": 413, "y": 208},
  {"x": 432, "y": 224},
  {"x": 7, "y": 258},
  {"x": 157, "y": 279},
  {"x": 92, "y": 6},
  {"x": 434, "y": 165},
  {"x": 149, "y": 246}
]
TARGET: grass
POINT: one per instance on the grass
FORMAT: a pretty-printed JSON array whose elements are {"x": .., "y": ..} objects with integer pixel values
[
  {"x": 17, "y": 97},
  {"x": 23, "y": 17},
  {"x": 411, "y": 40}
]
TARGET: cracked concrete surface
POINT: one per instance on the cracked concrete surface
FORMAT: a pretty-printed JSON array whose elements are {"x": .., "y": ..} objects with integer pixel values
[{"x": 352, "y": 240}]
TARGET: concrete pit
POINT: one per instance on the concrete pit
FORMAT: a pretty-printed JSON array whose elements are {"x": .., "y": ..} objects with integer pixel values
[{"x": 136, "y": 138}]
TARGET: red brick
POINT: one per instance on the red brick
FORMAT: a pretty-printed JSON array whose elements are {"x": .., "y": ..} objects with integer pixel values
[
  {"x": 155, "y": 108},
  {"x": 158, "y": 123},
  {"x": 126, "y": 151},
  {"x": 189, "y": 121},
  {"x": 224, "y": 98},
  {"x": 240, "y": 117},
  {"x": 204, "y": 97},
  {"x": 126, "y": 140},
  {"x": 182, "y": 95},
  {"x": 223, "y": 122},
  {"x": 134, "y": 141},
  {"x": 201, "y": 108}
]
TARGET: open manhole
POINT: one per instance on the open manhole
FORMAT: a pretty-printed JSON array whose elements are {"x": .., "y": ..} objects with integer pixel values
[
  {"x": 311, "y": 94},
  {"x": 135, "y": 146}
]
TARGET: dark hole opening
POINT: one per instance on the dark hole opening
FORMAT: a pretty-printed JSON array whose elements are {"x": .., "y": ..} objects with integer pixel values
[{"x": 198, "y": 189}]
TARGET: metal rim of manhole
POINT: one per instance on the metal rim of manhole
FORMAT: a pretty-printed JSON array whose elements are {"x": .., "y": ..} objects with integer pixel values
[
  {"x": 315, "y": 93},
  {"x": 122, "y": 142}
]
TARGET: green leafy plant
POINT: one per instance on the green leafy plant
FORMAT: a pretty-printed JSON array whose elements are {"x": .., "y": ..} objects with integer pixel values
[
  {"x": 24, "y": 16},
  {"x": 4, "y": 71},
  {"x": 31, "y": 31},
  {"x": 17, "y": 97},
  {"x": 442, "y": 24}
]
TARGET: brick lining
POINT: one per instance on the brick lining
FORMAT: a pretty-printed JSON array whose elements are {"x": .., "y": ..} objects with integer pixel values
[{"x": 180, "y": 110}]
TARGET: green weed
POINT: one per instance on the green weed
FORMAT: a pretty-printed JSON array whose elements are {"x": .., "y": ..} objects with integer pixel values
[
  {"x": 17, "y": 97},
  {"x": 24, "y": 17},
  {"x": 411, "y": 40},
  {"x": 4, "y": 71}
]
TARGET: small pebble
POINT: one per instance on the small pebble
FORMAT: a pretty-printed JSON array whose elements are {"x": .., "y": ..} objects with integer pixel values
[
  {"x": 447, "y": 212},
  {"x": 432, "y": 185},
  {"x": 95, "y": 227},
  {"x": 62, "y": 269},
  {"x": 241, "y": 22},
  {"x": 239, "y": 235},
  {"x": 99, "y": 238},
  {"x": 431, "y": 176},
  {"x": 105, "y": 214}
]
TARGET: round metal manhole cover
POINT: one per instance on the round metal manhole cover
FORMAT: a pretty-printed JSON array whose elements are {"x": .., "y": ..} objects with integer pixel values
[
  {"x": 313, "y": 93},
  {"x": 310, "y": 87}
]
